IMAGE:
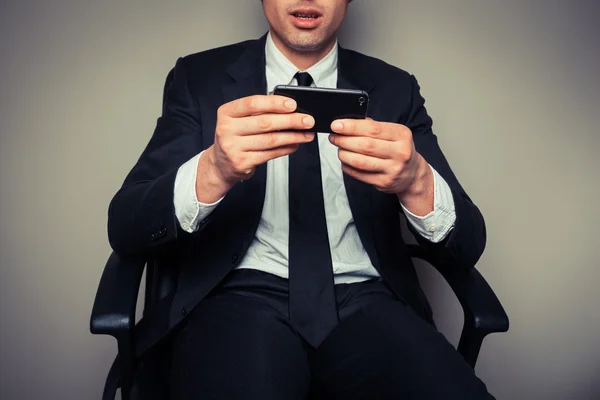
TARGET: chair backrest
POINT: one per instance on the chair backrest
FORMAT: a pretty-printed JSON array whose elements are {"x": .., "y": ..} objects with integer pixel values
[
  {"x": 161, "y": 279},
  {"x": 161, "y": 270}
]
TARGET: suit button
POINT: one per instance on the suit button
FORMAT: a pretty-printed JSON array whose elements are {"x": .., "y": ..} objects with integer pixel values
[
  {"x": 234, "y": 258},
  {"x": 183, "y": 311}
]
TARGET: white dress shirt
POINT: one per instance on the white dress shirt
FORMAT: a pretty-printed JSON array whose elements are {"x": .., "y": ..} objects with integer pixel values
[{"x": 269, "y": 249}]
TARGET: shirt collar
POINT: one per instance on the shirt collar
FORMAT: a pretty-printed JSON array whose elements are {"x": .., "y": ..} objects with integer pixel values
[{"x": 320, "y": 71}]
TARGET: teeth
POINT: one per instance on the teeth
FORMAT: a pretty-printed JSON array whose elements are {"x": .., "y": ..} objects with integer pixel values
[{"x": 307, "y": 16}]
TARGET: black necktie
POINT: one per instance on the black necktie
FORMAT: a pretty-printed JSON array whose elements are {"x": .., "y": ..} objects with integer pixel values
[{"x": 313, "y": 310}]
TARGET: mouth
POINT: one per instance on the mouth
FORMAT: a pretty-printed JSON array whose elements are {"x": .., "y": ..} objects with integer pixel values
[
  {"x": 306, "y": 18},
  {"x": 302, "y": 15}
]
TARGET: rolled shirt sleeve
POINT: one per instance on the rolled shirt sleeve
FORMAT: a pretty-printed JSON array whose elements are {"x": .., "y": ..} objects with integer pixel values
[
  {"x": 188, "y": 210},
  {"x": 436, "y": 225}
]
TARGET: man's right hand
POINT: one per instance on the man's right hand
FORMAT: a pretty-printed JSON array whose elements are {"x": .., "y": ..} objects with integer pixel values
[{"x": 250, "y": 131}]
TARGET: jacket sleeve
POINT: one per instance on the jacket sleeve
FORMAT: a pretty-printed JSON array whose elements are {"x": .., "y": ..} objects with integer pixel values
[
  {"x": 141, "y": 216},
  {"x": 466, "y": 241}
]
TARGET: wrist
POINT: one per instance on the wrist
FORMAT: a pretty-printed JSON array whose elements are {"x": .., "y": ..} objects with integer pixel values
[
  {"x": 210, "y": 183},
  {"x": 423, "y": 182},
  {"x": 419, "y": 195}
]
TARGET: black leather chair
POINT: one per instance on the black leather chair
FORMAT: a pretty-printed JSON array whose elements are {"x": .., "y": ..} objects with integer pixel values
[{"x": 115, "y": 307}]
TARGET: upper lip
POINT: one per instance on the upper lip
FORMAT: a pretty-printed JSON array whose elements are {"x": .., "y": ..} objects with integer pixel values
[{"x": 306, "y": 11}]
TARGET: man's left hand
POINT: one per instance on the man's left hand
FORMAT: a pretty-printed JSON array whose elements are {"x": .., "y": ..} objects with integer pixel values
[{"x": 383, "y": 154}]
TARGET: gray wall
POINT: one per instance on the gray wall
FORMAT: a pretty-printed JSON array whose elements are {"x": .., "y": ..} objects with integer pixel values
[{"x": 512, "y": 85}]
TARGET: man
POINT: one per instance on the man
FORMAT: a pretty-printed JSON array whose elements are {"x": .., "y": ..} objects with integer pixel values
[{"x": 293, "y": 278}]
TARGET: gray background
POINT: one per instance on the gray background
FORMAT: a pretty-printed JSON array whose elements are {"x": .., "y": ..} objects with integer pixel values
[{"x": 514, "y": 91}]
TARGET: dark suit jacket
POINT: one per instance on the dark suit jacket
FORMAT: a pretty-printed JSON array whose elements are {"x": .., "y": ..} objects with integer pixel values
[{"x": 142, "y": 220}]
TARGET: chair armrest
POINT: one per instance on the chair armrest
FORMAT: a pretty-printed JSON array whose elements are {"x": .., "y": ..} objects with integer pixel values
[
  {"x": 483, "y": 312},
  {"x": 479, "y": 302},
  {"x": 114, "y": 314},
  {"x": 115, "y": 303}
]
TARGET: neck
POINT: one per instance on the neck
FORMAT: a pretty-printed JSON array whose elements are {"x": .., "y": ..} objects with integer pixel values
[{"x": 303, "y": 60}]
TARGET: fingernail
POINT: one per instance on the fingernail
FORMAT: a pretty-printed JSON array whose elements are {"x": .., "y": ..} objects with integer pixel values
[
  {"x": 308, "y": 121},
  {"x": 331, "y": 138},
  {"x": 309, "y": 135},
  {"x": 337, "y": 126},
  {"x": 290, "y": 104}
]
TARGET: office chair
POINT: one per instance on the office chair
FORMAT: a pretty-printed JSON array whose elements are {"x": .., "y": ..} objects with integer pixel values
[{"x": 115, "y": 306}]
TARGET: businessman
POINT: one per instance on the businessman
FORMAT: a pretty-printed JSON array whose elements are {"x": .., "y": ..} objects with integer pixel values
[{"x": 292, "y": 277}]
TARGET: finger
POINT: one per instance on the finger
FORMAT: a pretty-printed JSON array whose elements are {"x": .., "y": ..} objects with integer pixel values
[
  {"x": 364, "y": 127},
  {"x": 365, "y": 145},
  {"x": 362, "y": 162},
  {"x": 273, "y": 123},
  {"x": 261, "y": 157},
  {"x": 259, "y": 104},
  {"x": 366, "y": 177},
  {"x": 274, "y": 140}
]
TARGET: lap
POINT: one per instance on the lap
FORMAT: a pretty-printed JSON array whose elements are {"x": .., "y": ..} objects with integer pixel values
[
  {"x": 235, "y": 346},
  {"x": 384, "y": 350},
  {"x": 239, "y": 344}
]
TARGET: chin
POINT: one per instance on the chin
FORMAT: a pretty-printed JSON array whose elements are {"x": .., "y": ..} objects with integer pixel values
[{"x": 304, "y": 42}]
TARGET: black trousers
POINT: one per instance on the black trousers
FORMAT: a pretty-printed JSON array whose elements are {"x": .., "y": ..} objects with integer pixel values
[{"x": 238, "y": 344}]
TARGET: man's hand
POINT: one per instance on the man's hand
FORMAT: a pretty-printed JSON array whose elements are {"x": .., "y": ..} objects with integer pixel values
[
  {"x": 249, "y": 132},
  {"x": 383, "y": 155}
]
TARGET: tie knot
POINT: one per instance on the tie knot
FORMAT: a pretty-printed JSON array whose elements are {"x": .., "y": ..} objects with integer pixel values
[{"x": 304, "y": 79}]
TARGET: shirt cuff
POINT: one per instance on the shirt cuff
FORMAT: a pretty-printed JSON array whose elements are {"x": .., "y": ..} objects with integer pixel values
[
  {"x": 436, "y": 225},
  {"x": 188, "y": 210}
]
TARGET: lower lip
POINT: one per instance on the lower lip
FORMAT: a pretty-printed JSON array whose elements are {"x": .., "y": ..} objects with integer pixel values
[{"x": 306, "y": 23}]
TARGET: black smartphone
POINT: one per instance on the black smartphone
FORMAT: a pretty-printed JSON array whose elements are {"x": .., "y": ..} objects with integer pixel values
[{"x": 326, "y": 105}]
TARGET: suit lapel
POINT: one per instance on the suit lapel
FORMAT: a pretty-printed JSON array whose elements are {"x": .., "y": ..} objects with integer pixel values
[
  {"x": 360, "y": 194},
  {"x": 248, "y": 77}
]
